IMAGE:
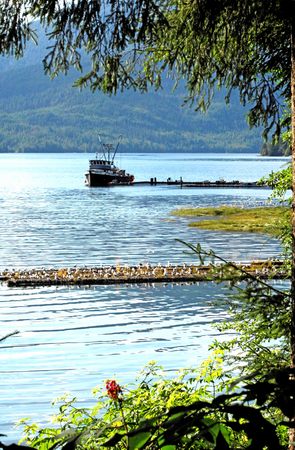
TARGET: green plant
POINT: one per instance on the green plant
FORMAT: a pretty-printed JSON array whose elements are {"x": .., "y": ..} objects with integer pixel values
[{"x": 193, "y": 410}]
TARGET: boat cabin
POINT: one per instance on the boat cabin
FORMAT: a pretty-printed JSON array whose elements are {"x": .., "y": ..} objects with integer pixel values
[{"x": 100, "y": 164}]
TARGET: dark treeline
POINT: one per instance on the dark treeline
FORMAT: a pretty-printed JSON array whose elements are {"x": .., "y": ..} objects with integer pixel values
[{"x": 278, "y": 149}]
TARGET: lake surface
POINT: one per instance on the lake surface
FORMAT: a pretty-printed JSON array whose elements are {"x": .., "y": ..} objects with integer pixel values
[{"x": 72, "y": 339}]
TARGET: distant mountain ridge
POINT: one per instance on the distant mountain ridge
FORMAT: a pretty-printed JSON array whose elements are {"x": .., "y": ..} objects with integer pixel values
[{"x": 43, "y": 115}]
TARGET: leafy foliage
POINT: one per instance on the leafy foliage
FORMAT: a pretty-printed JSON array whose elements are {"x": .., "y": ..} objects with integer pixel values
[
  {"x": 281, "y": 184},
  {"x": 182, "y": 412},
  {"x": 259, "y": 319}
]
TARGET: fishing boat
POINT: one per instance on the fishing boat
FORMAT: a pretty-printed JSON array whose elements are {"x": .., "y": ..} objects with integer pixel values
[{"x": 103, "y": 171}]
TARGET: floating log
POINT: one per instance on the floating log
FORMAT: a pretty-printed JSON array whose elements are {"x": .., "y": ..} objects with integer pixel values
[{"x": 143, "y": 273}]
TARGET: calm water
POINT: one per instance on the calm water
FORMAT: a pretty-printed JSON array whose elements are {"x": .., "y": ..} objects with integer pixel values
[{"x": 72, "y": 339}]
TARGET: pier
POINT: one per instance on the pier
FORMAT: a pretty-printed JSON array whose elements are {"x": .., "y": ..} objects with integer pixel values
[
  {"x": 142, "y": 273},
  {"x": 202, "y": 184}
]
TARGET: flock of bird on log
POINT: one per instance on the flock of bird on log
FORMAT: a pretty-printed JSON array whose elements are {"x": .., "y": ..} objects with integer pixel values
[{"x": 141, "y": 273}]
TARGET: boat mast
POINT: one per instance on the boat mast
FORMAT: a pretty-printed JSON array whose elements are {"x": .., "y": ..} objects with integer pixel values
[
  {"x": 119, "y": 142},
  {"x": 102, "y": 147},
  {"x": 107, "y": 149}
]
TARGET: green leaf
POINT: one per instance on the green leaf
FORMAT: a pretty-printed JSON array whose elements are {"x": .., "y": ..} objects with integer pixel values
[
  {"x": 221, "y": 442},
  {"x": 212, "y": 430},
  {"x": 175, "y": 418},
  {"x": 225, "y": 433},
  {"x": 138, "y": 440}
]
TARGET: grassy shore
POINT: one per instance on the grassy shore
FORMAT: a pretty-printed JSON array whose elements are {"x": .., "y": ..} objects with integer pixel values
[{"x": 235, "y": 219}]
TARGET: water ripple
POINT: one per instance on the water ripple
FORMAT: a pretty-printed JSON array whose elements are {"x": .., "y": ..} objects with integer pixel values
[{"x": 72, "y": 339}]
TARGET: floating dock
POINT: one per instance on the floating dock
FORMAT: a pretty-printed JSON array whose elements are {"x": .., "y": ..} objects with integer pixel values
[
  {"x": 143, "y": 273},
  {"x": 202, "y": 184}
]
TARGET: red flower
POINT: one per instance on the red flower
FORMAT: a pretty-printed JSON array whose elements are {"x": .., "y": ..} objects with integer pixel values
[{"x": 113, "y": 389}]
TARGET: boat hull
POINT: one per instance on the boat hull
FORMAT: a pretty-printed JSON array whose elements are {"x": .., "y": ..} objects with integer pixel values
[{"x": 99, "y": 180}]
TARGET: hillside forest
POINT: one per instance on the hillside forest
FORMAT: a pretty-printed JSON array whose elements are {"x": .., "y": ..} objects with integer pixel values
[{"x": 43, "y": 115}]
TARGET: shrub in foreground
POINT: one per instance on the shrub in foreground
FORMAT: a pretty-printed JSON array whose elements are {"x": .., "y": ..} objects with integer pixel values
[{"x": 193, "y": 410}]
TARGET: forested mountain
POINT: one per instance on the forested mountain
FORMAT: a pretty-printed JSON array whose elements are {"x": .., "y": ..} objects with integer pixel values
[{"x": 43, "y": 115}]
